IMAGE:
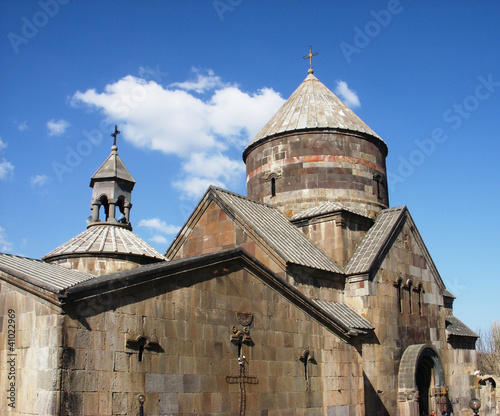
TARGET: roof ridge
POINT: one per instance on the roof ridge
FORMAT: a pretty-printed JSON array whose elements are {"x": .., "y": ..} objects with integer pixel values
[
  {"x": 217, "y": 189},
  {"x": 318, "y": 210}
]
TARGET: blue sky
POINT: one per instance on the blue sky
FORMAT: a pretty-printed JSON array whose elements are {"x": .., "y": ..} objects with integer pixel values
[{"x": 190, "y": 82}]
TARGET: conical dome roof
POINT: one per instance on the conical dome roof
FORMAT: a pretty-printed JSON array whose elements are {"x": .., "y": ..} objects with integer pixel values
[
  {"x": 312, "y": 106},
  {"x": 105, "y": 239}
]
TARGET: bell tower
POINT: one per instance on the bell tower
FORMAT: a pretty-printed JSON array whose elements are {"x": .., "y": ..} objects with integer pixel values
[
  {"x": 108, "y": 245},
  {"x": 112, "y": 186},
  {"x": 315, "y": 150}
]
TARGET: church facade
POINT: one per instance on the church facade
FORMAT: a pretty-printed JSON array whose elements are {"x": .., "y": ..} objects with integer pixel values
[{"x": 308, "y": 296}]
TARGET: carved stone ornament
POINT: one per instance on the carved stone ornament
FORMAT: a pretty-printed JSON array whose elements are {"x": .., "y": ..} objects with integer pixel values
[
  {"x": 408, "y": 396},
  {"x": 241, "y": 337},
  {"x": 244, "y": 319},
  {"x": 275, "y": 174}
]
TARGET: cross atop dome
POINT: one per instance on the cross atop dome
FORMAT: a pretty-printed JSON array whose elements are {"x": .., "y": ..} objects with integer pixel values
[{"x": 310, "y": 55}]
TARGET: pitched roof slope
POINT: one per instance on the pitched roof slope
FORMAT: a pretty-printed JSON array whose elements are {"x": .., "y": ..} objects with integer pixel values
[
  {"x": 375, "y": 241},
  {"x": 106, "y": 239},
  {"x": 277, "y": 231},
  {"x": 45, "y": 275},
  {"x": 313, "y": 106},
  {"x": 344, "y": 313},
  {"x": 455, "y": 326},
  {"x": 113, "y": 167}
]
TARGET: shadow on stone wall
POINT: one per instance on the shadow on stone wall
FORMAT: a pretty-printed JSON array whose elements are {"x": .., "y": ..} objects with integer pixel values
[{"x": 373, "y": 403}]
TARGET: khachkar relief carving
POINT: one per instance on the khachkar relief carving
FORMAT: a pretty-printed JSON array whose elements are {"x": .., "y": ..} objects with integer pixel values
[
  {"x": 307, "y": 358},
  {"x": 241, "y": 337}
]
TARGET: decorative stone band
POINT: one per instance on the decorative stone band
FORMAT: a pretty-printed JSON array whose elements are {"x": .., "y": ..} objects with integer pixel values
[{"x": 328, "y": 159}]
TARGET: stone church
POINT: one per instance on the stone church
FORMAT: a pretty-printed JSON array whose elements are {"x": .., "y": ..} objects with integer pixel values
[{"x": 308, "y": 296}]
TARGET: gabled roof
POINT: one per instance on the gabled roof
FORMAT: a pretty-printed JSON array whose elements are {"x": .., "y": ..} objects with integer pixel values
[
  {"x": 39, "y": 273},
  {"x": 456, "y": 327},
  {"x": 71, "y": 285},
  {"x": 313, "y": 106},
  {"x": 112, "y": 168},
  {"x": 378, "y": 239},
  {"x": 105, "y": 239},
  {"x": 323, "y": 209},
  {"x": 271, "y": 226},
  {"x": 375, "y": 241},
  {"x": 341, "y": 318}
]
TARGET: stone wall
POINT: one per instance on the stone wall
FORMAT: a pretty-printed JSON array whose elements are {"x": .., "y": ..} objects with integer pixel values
[
  {"x": 36, "y": 361},
  {"x": 187, "y": 322},
  {"x": 337, "y": 234},
  {"x": 315, "y": 167}
]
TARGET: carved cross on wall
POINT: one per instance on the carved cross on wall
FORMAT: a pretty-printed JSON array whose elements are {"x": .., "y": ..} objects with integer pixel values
[
  {"x": 141, "y": 344},
  {"x": 307, "y": 357},
  {"x": 242, "y": 380}
]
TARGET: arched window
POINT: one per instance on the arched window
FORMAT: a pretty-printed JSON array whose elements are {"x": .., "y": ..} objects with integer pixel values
[
  {"x": 273, "y": 187},
  {"x": 399, "y": 293},
  {"x": 419, "y": 295},
  {"x": 121, "y": 207},
  {"x": 103, "y": 201},
  {"x": 410, "y": 287}
]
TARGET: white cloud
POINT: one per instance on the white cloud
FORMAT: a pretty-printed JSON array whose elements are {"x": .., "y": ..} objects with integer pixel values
[
  {"x": 202, "y": 170},
  {"x": 6, "y": 169},
  {"x": 3, "y": 145},
  {"x": 57, "y": 127},
  {"x": 347, "y": 95},
  {"x": 158, "y": 239},
  {"x": 202, "y": 84},
  {"x": 199, "y": 129},
  {"x": 5, "y": 244},
  {"x": 22, "y": 126},
  {"x": 39, "y": 180},
  {"x": 159, "y": 226}
]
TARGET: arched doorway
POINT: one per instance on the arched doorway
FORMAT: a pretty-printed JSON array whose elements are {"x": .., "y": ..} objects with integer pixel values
[{"x": 421, "y": 381}]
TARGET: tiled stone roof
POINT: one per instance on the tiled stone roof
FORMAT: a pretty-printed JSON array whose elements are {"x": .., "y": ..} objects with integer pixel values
[
  {"x": 344, "y": 314},
  {"x": 105, "y": 239},
  {"x": 455, "y": 326},
  {"x": 322, "y": 209},
  {"x": 274, "y": 228},
  {"x": 313, "y": 106},
  {"x": 375, "y": 241},
  {"x": 45, "y": 275}
]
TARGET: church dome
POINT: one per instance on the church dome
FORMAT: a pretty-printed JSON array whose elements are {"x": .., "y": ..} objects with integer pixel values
[{"x": 314, "y": 150}]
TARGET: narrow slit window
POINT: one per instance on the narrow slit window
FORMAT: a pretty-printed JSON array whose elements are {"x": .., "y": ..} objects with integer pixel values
[
  {"x": 273, "y": 187},
  {"x": 419, "y": 294},
  {"x": 399, "y": 295},
  {"x": 410, "y": 296}
]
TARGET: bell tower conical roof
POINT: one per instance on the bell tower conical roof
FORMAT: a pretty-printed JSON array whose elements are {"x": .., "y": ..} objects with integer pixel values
[{"x": 113, "y": 168}]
